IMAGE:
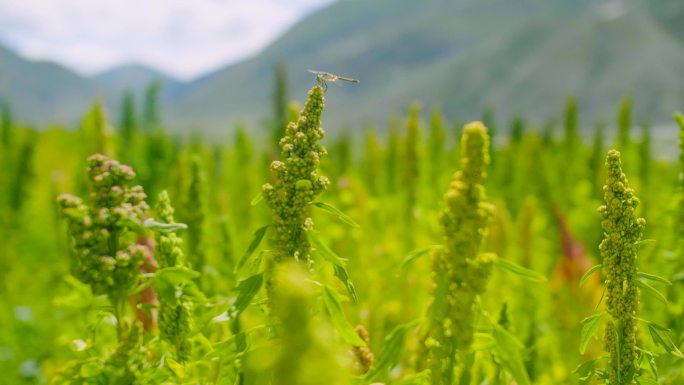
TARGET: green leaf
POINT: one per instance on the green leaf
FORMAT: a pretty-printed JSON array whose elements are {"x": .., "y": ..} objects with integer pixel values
[
  {"x": 258, "y": 237},
  {"x": 679, "y": 118},
  {"x": 415, "y": 254},
  {"x": 661, "y": 337},
  {"x": 90, "y": 369},
  {"x": 645, "y": 242},
  {"x": 391, "y": 351},
  {"x": 420, "y": 378},
  {"x": 652, "y": 291},
  {"x": 176, "y": 275},
  {"x": 324, "y": 250},
  {"x": 518, "y": 270},
  {"x": 133, "y": 223},
  {"x": 585, "y": 371},
  {"x": 343, "y": 276},
  {"x": 257, "y": 199},
  {"x": 590, "y": 328},
  {"x": 589, "y": 273},
  {"x": 146, "y": 306},
  {"x": 176, "y": 368},
  {"x": 511, "y": 352},
  {"x": 164, "y": 228},
  {"x": 333, "y": 304},
  {"x": 651, "y": 361},
  {"x": 653, "y": 277},
  {"x": 646, "y": 381},
  {"x": 336, "y": 212},
  {"x": 247, "y": 289}
]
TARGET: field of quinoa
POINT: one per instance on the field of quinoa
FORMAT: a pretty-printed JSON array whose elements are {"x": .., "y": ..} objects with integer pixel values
[{"x": 420, "y": 252}]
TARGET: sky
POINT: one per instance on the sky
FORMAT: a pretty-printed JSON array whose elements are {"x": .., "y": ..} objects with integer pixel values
[{"x": 184, "y": 38}]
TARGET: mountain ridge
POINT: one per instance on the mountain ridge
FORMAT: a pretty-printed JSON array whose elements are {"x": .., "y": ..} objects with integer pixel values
[{"x": 526, "y": 57}]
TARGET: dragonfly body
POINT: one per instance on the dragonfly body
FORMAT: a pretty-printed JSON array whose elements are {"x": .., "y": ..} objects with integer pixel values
[{"x": 324, "y": 77}]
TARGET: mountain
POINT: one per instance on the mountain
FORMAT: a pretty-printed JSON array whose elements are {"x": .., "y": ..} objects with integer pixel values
[
  {"x": 524, "y": 57},
  {"x": 131, "y": 77},
  {"x": 42, "y": 92}
]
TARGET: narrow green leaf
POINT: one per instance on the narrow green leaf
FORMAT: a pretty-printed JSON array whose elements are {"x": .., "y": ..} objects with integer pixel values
[
  {"x": 679, "y": 118},
  {"x": 415, "y": 254},
  {"x": 651, "y": 361},
  {"x": 90, "y": 369},
  {"x": 420, "y": 378},
  {"x": 646, "y": 381},
  {"x": 511, "y": 352},
  {"x": 257, "y": 199},
  {"x": 653, "y": 277},
  {"x": 590, "y": 328},
  {"x": 661, "y": 337},
  {"x": 164, "y": 228},
  {"x": 645, "y": 242},
  {"x": 343, "y": 276},
  {"x": 652, "y": 291},
  {"x": 518, "y": 270},
  {"x": 589, "y": 273},
  {"x": 176, "y": 275},
  {"x": 585, "y": 371},
  {"x": 391, "y": 351},
  {"x": 323, "y": 249},
  {"x": 247, "y": 289},
  {"x": 258, "y": 237},
  {"x": 333, "y": 304},
  {"x": 176, "y": 368},
  {"x": 335, "y": 211}
]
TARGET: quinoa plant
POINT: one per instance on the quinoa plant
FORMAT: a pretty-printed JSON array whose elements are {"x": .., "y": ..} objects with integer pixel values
[
  {"x": 437, "y": 144},
  {"x": 195, "y": 212},
  {"x": 105, "y": 253},
  {"x": 6, "y": 129},
  {"x": 280, "y": 105},
  {"x": 174, "y": 311},
  {"x": 372, "y": 161},
  {"x": 297, "y": 181},
  {"x": 460, "y": 270},
  {"x": 128, "y": 126},
  {"x": 305, "y": 354},
  {"x": 392, "y": 157},
  {"x": 411, "y": 176},
  {"x": 623, "y": 231},
  {"x": 95, "y": 131},
  {"x": 624, "y": 122},
  {"x": 151, "y": 120},
  {"x": 572, "y": 137},
  {"x": 679, "y": 118}
]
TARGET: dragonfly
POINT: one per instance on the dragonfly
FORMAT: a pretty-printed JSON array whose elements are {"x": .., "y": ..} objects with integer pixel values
[{"x": 324, "y": 77}]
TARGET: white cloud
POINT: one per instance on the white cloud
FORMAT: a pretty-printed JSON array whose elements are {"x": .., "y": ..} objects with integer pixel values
[{"x": 183, "y": 37}]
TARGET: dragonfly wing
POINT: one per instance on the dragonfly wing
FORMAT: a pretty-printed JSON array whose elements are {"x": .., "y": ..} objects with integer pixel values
[{"x": 348, "y": 79}]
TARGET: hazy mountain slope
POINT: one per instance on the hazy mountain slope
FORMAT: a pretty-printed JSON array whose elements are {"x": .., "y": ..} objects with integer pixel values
[
  {"x": 524, "y": 56},
  {"x": 131, "y": 77},
  {"x": 41, "y": 92}
]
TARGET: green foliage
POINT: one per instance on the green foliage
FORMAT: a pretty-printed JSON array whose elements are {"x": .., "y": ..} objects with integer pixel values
[
  {"x": 623, "y": 231},
  {"x": 175, "y": 310},
  {"x": 104, "y": 230},
  {"x": 280, "y": 103},
  {"x": 460, "y": 269},
  {"x": 297, "y": 181},
  {"x": 151, "y": 118},
  {"x": 128, "y": 124}
]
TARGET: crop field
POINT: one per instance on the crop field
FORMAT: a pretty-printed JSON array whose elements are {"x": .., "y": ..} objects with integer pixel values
[{"x": 422, "y": 252}]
